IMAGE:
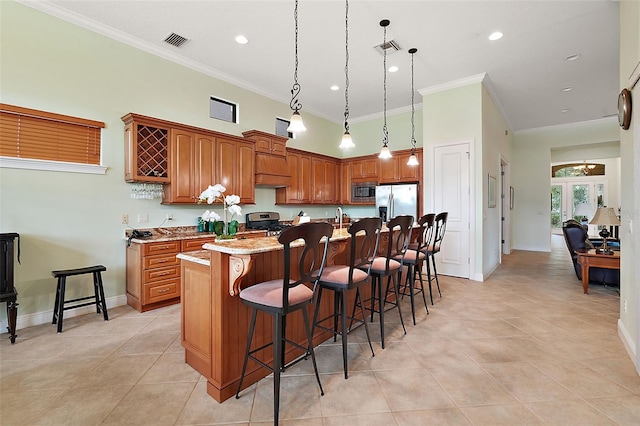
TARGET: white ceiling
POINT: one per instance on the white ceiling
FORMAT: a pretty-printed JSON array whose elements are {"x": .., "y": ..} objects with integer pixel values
[{"x": 527, "y": 67}]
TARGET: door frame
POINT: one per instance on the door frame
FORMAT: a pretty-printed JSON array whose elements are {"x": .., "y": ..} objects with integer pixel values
[
  {"x": 505, "y": 206},
  {"x": 429, "y": 197}
]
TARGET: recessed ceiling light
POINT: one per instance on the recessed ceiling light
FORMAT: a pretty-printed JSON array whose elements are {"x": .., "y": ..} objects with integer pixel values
[
  {"x": 393, "y": 68},
  {"x": 564, "y": 110},
  {"x": 572, "y": 57},
  {"x": 334, "y": 87},
  {"x": 240, "y": 39},
  {"x": 567, "y": 89},
  {"x": 495, "y": 36}
]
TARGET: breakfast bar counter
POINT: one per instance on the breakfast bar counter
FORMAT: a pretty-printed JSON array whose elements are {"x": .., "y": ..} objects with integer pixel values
[{"x": 215, "y": 323}]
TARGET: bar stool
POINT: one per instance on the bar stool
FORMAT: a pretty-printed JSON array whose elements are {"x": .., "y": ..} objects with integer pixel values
[
  {"x": 281, "y": 297},
  {"x": 433, "y": 249},
  {"x": 98, "y": 297},
  {"x": 342, "y": 278},
  {"x": 390, "y": 267},
  {"x": 414, "y": 259}
]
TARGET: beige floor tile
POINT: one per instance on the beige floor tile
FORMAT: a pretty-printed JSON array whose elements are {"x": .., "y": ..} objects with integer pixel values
[
  {"x": 527, "y": 383},
  {"x": 507, "y": 415},
  {"x": 26, "y": 407},
  {"x": 472, "y": 386},
  {"x": 170, "y": 368},
  {"x": 619, "y": 370},
  {"x": 61, "y": 374},
  {"x": 442, "y": 416},
  {"x": 299, "y": 399},
  {"x": 488, "y": 351},
  {"x": 147, "y": 343},
  {"x": 359, "y": 394},
  {"x": 202, "y": 409},
  {"x": 153, "y": 404},
  {"x": 412, "y": 389},
  {"x": 379, "y": 419},
  {"x": 440, "y": 353},
  {"x": 624, "y": 410},
  {"x": 563, "y": 413},
  {"x": 117, "y": 370}
]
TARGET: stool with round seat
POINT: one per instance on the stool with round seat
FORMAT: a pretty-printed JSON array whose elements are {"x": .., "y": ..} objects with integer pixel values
[{"x": 283, "y": 296}]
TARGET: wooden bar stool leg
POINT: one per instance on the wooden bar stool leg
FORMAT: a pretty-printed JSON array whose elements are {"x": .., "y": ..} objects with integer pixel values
[{"x": 61, "y": 284}]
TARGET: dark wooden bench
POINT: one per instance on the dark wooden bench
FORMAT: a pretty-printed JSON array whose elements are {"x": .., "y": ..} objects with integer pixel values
[{"x": 98, "y": 297}]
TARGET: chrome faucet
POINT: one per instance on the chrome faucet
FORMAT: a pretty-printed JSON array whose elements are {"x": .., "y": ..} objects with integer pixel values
[{"x": 339, "y": 216}]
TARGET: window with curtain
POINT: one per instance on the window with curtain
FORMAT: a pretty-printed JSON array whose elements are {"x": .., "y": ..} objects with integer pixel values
[{"x": 39, "y": 135}]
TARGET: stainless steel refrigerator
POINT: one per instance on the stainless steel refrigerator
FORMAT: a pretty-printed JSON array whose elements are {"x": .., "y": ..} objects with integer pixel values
[{"x": 397, "y": 200}]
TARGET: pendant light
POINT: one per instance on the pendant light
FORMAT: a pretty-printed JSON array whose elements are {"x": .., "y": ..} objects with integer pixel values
[
  {"x": 347, "y": 141},
  {"x": 295, "y": 123},
  {"x": 413, "y": 159},
  {"x": 385, "y": 153}
]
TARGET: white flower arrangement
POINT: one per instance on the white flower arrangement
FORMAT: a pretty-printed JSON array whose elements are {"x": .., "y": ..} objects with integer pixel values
[{"x": 230, "y": 202}]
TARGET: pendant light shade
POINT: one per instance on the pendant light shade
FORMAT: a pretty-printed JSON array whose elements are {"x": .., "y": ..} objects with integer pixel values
[
  {"x": 295, "y": 124},
  {"x": 413, "y": 159},
  {"x": 347, "y": 141},
  {"x": 384, "y": 153}
]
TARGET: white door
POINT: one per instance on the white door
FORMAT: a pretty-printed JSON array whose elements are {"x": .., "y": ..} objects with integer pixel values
[
  {"x": 451, "y": 186},
  {"x": 567, "y": 195}
]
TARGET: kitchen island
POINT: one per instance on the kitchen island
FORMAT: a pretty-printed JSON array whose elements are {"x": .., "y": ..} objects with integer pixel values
[{"x": 215, "y": 323}]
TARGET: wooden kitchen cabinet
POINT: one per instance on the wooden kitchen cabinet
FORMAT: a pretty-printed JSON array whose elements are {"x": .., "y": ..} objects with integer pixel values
[
  {"x": 345, "y": 182},
  {"x": 147, "y": 151},
  {"x": 395, "y": 169},
  {"x": 268, "y": 143},
  {"x": 153, "y": 275},
  {"x": 192, "y": 166},
  {"x": 364, "y": 169},
  {"x": 299, "y": 191},
  {"x": 324, "y": 186},
  {"x": 235, "y": 168}
]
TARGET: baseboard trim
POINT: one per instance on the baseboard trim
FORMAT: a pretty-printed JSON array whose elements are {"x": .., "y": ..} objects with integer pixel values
[
  {"x": 628, "y": 343},
  {"x": 45, "y": 317}
]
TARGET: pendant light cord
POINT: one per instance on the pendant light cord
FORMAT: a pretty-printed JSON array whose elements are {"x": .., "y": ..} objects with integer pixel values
[
  {"x": 385, "y": 131},
  {"x": 413, "y": 109},
  {"x": 295, "y": 90},
  {"x": 346, "y": 68}
]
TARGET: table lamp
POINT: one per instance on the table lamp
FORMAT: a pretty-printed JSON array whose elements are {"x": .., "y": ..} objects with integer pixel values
[{"x": 605, "y": 216}]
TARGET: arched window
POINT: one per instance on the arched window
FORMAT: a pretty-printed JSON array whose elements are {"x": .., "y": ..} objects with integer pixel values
[{"x": 577, "y": 170}]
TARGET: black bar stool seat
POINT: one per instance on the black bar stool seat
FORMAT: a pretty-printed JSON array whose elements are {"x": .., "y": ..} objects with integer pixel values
[{"x": 98, "y": 297}]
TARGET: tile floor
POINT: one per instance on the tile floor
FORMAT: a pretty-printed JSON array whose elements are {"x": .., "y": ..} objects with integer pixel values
[{"x": 524, "y": 347}]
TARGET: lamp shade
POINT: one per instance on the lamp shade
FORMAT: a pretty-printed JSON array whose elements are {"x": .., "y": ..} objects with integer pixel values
[
  {"x": 584, "y": 209},
  {"x": 347, "y": 141},
  {"x": 385, "y": 153},
  {"x": 295, "y": 124},
  {"x": 413, "y": 160},
  {"x": 605, "y": 216}
]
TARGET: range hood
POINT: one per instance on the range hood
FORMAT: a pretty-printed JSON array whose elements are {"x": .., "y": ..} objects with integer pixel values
[{"x": 271, "y": 168}]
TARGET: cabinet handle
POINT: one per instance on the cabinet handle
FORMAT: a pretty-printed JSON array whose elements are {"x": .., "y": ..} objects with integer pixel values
[
  {"x": 162, "y": 261},
  {"x": 163, "y": 273},
  {"x": 162, "y": 247},
  {"x": 164, "y": 290}
]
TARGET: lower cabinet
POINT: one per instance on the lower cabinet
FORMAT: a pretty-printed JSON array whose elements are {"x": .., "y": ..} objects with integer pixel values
[{"x": 153, "y": 272}]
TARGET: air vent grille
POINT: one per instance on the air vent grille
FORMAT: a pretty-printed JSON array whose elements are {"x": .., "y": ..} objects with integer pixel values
[
  {"x": 390, "y": 47},
  {"x": 175, "y": 40}
]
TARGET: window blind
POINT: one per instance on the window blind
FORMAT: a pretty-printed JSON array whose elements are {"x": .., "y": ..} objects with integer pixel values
[{"x": 40, "y": 135}]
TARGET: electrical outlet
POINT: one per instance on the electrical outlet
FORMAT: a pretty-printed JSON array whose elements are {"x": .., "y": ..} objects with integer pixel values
[
  {"x": 169, "y": 216},
  {"x": 624, "y": 306},
  {"x": 143, "y": 218},
  {"x": 125, "y": 219}
]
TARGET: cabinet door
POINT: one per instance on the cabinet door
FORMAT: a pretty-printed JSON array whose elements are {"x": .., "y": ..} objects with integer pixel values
[
  {"x": 345, "y": 183},
  {"x": 279, "y": 147},
  {"x": 330, "y": 192},
  {"x": 292, "y": 193},
  {"x": 226, "y": 159},
  {"x": 246, "y": 172},
  {"x": 263, "y": 144},
  {"x": 389, "y": 170},
  {"x": 408, "y": 173},
  {"x": 305, "y": 179},
  {"x": 180, "y": 190},
  {"x": 146, "y": 152},
  {"x": 318, "y": 175},
  {"x": 370, "y": 169},
  {"x": 204, "y": 158}
]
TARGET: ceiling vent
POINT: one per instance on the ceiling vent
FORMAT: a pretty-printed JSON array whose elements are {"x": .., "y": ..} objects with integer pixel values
[
  {"x": 175, "y": 40},
  {"x": 390, "y": 47}
]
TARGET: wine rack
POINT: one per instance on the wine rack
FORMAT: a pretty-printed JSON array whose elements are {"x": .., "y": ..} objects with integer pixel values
[{"x": 153, "y": 156}]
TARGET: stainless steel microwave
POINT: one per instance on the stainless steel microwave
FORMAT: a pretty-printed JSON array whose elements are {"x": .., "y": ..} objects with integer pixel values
[{"x": 363, "y": 192}]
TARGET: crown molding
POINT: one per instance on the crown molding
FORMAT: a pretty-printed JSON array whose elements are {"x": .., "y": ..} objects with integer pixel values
[
  {"x": 577, "y": 124},
  {"x": 377, "y": 115},
  {"x": 477, "y": 78}
]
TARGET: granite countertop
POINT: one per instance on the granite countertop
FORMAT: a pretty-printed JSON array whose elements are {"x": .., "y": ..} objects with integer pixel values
[
  {"x": 177, "y": 233},
  {"x": 199, "y": 256}
]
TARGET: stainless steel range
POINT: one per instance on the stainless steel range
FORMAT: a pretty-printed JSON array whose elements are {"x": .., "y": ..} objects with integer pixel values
[{"x": 267, "y": 221}]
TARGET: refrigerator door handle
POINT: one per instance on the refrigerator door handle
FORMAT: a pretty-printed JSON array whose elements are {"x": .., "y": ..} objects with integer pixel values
[{"x": 391, "y": 212}]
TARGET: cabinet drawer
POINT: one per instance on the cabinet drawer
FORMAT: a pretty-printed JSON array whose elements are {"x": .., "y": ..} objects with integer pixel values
[
  {"x": 151, "y": 262},
  {"x": 164, "y": 290},
  {"x": 162, "y": 248},
  {"x": 162, "y": 273},
  {"x": 196, "y": 244}
]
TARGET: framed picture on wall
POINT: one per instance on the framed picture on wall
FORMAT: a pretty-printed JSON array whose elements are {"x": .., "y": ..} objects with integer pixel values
[{"x": 493, "y": 187}]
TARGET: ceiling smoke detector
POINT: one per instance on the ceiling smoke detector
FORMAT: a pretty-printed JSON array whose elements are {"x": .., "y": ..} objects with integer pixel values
[
  {"x": 390, "y": 47},
  {"x": 175, "y": 40}
]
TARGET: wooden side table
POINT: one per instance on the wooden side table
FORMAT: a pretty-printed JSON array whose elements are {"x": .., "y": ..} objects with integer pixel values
[
  {"x": 589, "y": 258},
  {"x": 8, "y": 291}
]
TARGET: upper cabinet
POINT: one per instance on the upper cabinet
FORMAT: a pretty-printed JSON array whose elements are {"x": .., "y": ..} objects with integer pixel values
[
  {"x": 364, "y": 169},
  {"x": 146, "y": 149},
  {"x": 395, "y": 169},
  {"x": 299, "y": 191},
  {"x": 325, "y": 174},
  {"x": 187, "y": 159},
  {"x": 270, "y": 160}
]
